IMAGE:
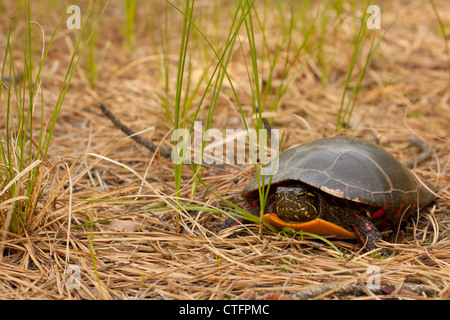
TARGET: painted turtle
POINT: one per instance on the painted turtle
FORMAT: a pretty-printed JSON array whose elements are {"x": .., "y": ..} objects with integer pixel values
[{"x": 339, "y": 186}]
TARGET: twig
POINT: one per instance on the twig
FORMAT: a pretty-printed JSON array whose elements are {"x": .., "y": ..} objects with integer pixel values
[
  {"x": 17, "y": 77},
  {"x": 354, "y": 289},
  {"x": 425, "y": 152},
  {"x": 142, "y": 141}
]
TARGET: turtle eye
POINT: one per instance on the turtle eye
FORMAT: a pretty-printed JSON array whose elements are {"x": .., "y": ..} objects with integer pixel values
[{"x": 300, "y": 194}]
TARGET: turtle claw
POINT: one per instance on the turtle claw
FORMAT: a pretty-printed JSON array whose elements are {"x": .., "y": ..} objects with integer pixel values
[{"x": 366, "y": 232}]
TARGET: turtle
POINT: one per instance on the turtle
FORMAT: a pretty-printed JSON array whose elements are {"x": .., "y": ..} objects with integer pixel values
[{"x": 342, "y": 186}]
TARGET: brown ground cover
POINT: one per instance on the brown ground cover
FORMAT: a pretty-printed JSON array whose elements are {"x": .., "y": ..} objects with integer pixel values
[{"x": 131, "y": 251}]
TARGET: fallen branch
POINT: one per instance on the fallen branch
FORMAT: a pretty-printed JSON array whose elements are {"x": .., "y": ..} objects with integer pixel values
[
  {"x": 142, "y": 141},
  {"x": 425, "y": 152},
  {"x": 408, "y": 289}
]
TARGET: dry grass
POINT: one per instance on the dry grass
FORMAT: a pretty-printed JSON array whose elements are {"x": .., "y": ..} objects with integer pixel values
[{"x": 140, "y": 256}]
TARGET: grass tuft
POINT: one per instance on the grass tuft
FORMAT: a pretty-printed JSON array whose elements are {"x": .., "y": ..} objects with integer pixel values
[{"x": 21, "y": 152}]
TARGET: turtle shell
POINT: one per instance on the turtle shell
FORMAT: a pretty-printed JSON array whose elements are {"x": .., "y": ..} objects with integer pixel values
[{"x": 354, "y": 170}]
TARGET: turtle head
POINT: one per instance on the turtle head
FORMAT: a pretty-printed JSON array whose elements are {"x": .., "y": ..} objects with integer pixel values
[{"x": 296, "y": 204}]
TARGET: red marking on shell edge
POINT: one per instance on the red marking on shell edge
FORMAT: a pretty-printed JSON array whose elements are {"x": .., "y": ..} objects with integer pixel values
[
  {"x": 399, "y": 211},
  {"x": 378, "y": 213}
]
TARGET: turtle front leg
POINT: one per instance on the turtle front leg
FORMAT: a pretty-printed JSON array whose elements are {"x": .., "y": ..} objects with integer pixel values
[{"x": 366, "y": 232}]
